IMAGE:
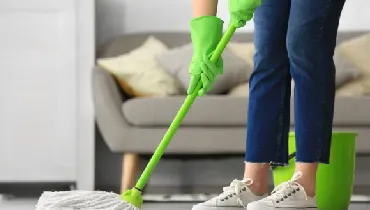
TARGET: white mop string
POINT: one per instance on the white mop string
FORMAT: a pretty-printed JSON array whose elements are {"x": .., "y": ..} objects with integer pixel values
[{"x": 82, "y": 200}]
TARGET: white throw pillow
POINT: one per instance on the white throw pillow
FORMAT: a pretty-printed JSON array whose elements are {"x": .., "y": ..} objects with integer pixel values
[
  {"x": 177, "y": 60},
  {"x": 356, "y": 50},
  {"x": 138, "y": 72}
]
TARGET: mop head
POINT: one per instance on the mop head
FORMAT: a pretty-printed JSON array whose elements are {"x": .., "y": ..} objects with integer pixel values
[{"x": 82, "y": 200}]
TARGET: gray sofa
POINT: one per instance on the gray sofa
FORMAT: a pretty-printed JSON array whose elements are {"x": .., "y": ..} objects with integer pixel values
[{"x": 214, "y": 125}]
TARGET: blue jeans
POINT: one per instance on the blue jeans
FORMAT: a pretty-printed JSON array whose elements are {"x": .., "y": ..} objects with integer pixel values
[{"x": 294, "y": 39}]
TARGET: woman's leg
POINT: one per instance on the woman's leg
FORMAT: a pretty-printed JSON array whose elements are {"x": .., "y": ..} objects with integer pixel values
[
  {"x": 269, "y": 101},
  {"x": 268, "y": 118},
  {"x": 311, "y": 40}
]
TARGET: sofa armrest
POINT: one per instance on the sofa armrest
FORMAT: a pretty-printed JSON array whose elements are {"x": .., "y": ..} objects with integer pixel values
[{"x": 108, "y": 108}]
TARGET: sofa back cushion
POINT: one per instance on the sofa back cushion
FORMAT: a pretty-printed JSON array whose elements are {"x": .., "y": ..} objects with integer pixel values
[{"x": 126, "y": 43}]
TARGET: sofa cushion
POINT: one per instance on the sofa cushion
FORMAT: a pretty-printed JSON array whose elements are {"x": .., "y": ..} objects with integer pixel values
[
  {"x": 127, "y": 42},
  {"x": 226, "y": 111},
  {"x": 176, "y": 62}
]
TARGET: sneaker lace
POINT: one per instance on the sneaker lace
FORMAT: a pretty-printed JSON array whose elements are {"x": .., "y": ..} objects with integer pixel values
[
  {"x": 285, "y": 189},
  {"x": 234, "y": 189}
]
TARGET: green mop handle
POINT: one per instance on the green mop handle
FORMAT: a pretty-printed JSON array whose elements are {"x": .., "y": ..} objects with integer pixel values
[{"x": 181, "y": 115}]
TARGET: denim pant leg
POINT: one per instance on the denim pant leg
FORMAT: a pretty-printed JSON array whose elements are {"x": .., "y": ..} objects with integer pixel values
[
  {"x": 311, "y": 40},
  {"x": 268, "y": 107}
]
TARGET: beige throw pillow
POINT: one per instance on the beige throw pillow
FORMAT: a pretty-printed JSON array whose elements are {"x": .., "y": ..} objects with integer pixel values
[{"x": 138, "y": 72}]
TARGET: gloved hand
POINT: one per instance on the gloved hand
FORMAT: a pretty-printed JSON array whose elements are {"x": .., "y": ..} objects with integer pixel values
[
  {"x": 206, "y": 33},
  {"x": 242, "y": 11}
]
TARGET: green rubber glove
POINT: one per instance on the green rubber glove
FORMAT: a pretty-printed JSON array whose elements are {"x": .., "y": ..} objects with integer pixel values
[
  {"x": 242, "y": 11},
  {"x": 206, "y": 33}
]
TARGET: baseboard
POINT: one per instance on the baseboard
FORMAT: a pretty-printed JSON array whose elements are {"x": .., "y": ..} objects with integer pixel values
[{"x": 30, "y": 190}]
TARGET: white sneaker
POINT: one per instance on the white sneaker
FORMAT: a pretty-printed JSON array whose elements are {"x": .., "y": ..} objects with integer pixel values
[
  {"x": 286, "y": 196},
  {"x": 236, "y": 196}
]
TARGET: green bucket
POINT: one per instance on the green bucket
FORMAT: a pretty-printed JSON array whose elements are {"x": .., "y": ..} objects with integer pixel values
[{"x": 335, "y": 180}]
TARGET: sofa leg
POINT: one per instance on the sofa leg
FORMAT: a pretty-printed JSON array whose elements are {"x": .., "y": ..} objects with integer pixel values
[{"x": 130, "y": 170}]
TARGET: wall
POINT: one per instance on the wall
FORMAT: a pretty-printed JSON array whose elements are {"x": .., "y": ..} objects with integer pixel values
[
  {"x": 37, "y": 127},
  {"x": 46, "y": 110},
  {"x": 127, "y": 16}
]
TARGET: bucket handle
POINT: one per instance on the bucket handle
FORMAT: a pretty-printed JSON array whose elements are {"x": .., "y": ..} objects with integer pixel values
[{"x": 291, "y": 156}]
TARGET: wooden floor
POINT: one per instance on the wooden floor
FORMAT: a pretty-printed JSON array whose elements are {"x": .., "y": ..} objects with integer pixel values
[{"x": 28, "y": 204}]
